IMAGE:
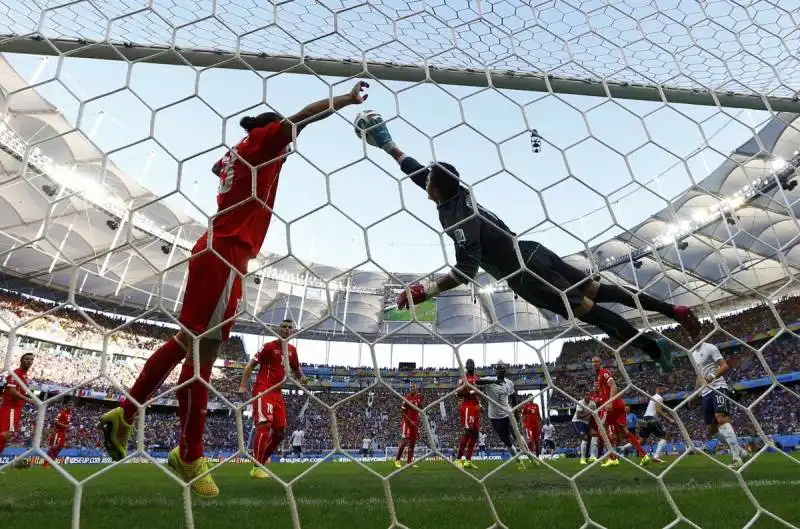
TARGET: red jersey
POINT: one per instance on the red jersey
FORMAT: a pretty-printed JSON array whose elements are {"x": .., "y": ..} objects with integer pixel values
[
  {"x": 530, "y": 415},
  {"x": 408, "y": 412},
  {"x": 247, "y": 207},
  {"x": 270, "y": 366},
  {"x": 10, "y": 402},
  {"x": 63, "y": 418},
  {"x": 472, "y": 398},
  {"x": 604, "y": 378}
]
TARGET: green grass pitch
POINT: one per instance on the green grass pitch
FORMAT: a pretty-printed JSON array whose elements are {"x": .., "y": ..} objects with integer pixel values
[
  {"x": 425, "y": 311},
  {"x": 436, "y": 495}
]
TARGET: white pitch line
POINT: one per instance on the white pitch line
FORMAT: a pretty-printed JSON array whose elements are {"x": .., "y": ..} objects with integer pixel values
[{"x": 280, "y": 500}]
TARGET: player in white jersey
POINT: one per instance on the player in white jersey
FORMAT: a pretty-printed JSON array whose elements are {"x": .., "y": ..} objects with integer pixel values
[
  {"x": 482, "y": 444},
  {"x": 549, "y": 437},
  {"x": 500, "y": 391},
  {"x": 716, "y": 394},
  {"x": 365, "y": 444},
  {"x": 580, "y": 424},
  {"x": 651, "y": 425},
  {"x": 297, "y": 442}
]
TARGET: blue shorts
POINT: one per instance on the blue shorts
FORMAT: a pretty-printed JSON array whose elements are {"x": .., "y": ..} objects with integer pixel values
[
  {"x": 580, "y": 428},
  {"x": 716, "y": 402}
]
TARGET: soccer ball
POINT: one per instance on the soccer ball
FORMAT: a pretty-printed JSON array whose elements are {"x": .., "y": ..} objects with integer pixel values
[{"x": 364, "y": 120}]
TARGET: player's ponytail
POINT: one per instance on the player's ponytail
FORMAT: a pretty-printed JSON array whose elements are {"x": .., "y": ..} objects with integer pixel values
[{"x": 249, "y": 123}]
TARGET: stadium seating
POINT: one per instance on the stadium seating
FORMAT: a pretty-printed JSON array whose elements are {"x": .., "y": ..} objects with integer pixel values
[{"x": 375, "y": 411}]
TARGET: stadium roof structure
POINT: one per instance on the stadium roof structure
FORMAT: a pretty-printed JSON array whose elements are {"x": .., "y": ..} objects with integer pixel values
[{"x": 65, "y": 216}]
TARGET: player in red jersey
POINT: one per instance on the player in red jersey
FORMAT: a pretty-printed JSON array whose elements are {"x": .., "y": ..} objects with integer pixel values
[
  {"x": 58, "y": 433},
  {"x": 269, "y": 408},
  {"x": 616, "y": 423},
  {"x": 470, "y": 416},
  {"x": 532, "y": 425},
  {"x": 248, "y": 181},
  {"x": 409, "y": 424},
  {"x": 14, "y": 399}
]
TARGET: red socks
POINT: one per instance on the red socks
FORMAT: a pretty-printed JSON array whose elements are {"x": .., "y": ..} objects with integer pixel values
[
  {"x": 636, "y": 444},
  {"x": 261, "y": 442},
  {"x": 155, "y": 371},
  {"x": 400, "y": 449},
  {"x": 274, "y": 442},
  {"x": 411, "y": 444},
  {"x": 192, "y": 408},
  {"x": 470, "y": 447},
  {"x": 462, "y": 444}
]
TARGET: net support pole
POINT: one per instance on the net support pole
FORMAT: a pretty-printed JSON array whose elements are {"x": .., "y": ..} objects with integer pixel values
[{"x": 504, "y": 79}]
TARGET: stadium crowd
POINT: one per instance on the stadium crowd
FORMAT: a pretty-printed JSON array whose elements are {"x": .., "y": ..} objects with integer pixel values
[
  {"x": 375, "y": 412},
  {"x": 66, "y": 325}
]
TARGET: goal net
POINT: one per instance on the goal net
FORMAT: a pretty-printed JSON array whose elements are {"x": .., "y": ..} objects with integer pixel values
[{"x": 653, "y": 145}]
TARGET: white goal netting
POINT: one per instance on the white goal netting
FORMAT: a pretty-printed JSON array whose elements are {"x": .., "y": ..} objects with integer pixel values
[{"x": 653, "y": 144}]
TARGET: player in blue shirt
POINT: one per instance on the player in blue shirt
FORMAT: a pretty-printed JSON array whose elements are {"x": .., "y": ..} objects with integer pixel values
[{"x": 633, "y": 423}]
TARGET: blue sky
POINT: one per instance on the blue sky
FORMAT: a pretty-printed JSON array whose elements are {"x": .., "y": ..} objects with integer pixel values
[{"x": 483, "y": 132}]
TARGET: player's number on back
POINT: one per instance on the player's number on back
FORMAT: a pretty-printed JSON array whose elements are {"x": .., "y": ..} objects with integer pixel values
[
  {"x": 720, "y": 399},
  {"x": 226, "y": 175}
]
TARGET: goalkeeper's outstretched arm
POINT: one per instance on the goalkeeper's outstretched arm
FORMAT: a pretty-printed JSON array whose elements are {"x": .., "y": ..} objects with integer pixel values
[{"x": 383, "y": 140}]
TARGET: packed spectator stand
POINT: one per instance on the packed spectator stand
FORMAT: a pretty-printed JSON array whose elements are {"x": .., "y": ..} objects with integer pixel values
[{"x": 68, "y": 349}]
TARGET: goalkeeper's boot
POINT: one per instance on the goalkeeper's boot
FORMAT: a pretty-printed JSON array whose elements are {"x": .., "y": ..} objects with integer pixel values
[
  {"x": 521, "y": 465},
  {"x": 610, "y": 463},
  {"x": 583, "y": 461},
  {"x": 592, "y": 459},
  {"x": 116, "y": 433},
  {"x": 470, "y": 465},
  {"x": 645, "y": 460},
  {"x": 257, "y": 473},
  {"x": 665, "y": 360},
  {"x": 203, "y": 486},
  {"x": 398, "y": 463},
  {"x": 461, "y": 464}
]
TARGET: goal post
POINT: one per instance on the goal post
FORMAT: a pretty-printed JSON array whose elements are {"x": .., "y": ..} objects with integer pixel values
[{"x": 346, "y": 67}]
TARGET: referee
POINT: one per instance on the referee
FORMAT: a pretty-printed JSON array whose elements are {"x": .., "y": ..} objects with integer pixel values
[{"x": 483, "y": 240}]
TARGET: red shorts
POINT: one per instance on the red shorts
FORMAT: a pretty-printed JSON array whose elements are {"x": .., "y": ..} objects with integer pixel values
[
  {"x": 409, "y": 430},
  {"x": 58, "y": 438},
  {"x": 533, "y": 433},
  {"x": 213, "y": 289},
  {"x": 470, "y": 416},
  {"x": 270, "y": 408},
  {"x": 10, "y": 419},
  {"x": 616, "y": 417}
]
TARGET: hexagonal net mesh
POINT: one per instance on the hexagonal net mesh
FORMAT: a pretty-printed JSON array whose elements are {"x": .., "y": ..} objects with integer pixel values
[
  {"x": 740, "y": 54},
  {"x": 656, "y": 205}
]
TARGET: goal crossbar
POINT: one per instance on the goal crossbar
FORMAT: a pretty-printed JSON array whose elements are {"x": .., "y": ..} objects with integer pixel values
[{"x": 502, "y": 79}]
